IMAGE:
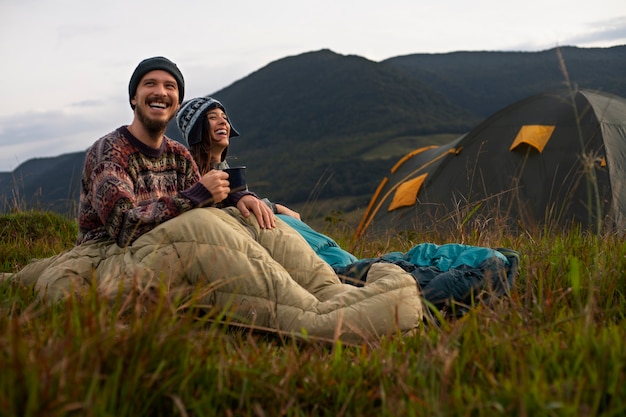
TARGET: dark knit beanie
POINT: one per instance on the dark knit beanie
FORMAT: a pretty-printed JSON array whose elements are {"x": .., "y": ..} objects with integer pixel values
[
  {"x": 151, "y": 64},
  {"x": 191, "y": 115}
]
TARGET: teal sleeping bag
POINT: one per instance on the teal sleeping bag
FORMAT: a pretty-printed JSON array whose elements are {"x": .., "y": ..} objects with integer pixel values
[{"x": 452, "y": 277}]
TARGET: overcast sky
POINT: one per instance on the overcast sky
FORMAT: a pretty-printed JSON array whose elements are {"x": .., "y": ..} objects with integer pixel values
[{"x": 66, "y": 63}]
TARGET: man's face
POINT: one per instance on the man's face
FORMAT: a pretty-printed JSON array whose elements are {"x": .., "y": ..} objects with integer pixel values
[{"x": 156, "y": 100}]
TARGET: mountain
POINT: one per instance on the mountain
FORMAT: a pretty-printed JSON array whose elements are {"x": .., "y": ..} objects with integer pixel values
[
  {"x": 322, "y": 126},
  {"x": 488, "y": 81},
  {"x": 314, "y": 116},
  {"x": 50, "y": 183}
]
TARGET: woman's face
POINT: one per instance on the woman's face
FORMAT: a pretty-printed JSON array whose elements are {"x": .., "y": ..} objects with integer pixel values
[{"x": 219, "y": 129}]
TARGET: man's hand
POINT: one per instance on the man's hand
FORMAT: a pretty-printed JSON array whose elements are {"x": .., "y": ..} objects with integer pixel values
[
  {"x": 216, "y": 182},
  {"x": 263, "y": 213}
]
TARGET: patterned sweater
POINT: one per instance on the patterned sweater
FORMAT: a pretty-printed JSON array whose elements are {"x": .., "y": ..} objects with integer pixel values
[{"x": 129, "y": 188}]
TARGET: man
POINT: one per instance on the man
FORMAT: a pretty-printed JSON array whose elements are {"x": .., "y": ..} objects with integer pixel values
[
  {"x": 135, "y": 178},
  {"x": 142, "y": 230}
]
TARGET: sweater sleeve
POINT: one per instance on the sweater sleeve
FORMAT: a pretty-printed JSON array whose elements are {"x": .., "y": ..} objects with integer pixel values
[
  {"x": 114, "y": 200},
  {"x": 233, "y": 199},
  {"x": 124, "y": 216}
]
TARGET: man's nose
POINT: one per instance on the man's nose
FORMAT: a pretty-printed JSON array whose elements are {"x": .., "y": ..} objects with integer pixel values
[{"x": 160, "y": 89}]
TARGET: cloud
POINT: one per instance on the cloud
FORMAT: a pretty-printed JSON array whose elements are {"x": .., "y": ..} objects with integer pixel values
[
  {"x": 70, "y": 61},
  {"x": 609, "y": 31},
  {"x": 87, "y": 103},
  {"x": 51, "y": 133}
]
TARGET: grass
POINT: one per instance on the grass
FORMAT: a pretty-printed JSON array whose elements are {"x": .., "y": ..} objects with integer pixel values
[
  {"x": 556, "y": 347},
  {"x": 35, "y": 234}
]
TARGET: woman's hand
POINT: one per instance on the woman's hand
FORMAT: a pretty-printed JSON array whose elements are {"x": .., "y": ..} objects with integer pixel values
[
  {"x": 216, "y": 182},
  {"x": 289, "y": 212},
  {"x": 263, "y": 213}
]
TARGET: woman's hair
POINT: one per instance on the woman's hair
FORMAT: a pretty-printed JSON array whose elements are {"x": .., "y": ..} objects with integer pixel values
[{"x": 201, "y": 152}]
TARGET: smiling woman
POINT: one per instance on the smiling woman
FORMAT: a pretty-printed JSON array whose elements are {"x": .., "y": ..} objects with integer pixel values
[{"x": 207, "y": 129}]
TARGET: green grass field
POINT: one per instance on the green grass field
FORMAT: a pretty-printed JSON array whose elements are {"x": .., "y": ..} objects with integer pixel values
[{"x": 556, "y": 347}]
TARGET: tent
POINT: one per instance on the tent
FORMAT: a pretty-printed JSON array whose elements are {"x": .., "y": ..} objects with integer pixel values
[{"x": 555, "y": 159}]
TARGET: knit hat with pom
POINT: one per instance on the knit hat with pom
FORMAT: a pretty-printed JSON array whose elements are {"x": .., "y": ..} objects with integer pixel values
[{"x": 191, "y": 115}]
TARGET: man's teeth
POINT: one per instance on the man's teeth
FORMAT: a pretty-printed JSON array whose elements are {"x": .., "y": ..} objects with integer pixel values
[{"x": 158, "y": 105}]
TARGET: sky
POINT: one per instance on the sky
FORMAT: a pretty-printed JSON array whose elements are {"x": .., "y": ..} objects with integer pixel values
[{"x": 67, "y": 63}]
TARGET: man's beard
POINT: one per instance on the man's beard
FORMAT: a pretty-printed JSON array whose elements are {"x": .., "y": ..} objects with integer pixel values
[{"x": 153, "y": 127}]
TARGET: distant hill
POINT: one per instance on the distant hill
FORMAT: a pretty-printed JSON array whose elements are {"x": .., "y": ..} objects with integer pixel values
[
  {"x": 50, "y": 183},
  {"x": 484, "y": 82},
  {"x": 317, "y": 114},
  {"x": 321, "y": 126}
]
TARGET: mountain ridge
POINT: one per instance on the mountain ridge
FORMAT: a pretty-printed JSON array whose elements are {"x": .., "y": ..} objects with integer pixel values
[{"x": 323, "y": 126}]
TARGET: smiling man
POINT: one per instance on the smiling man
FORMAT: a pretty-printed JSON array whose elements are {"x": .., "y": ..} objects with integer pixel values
[
  {"x": 162, "y": 90},
  {"x": 136, "y": 178}
]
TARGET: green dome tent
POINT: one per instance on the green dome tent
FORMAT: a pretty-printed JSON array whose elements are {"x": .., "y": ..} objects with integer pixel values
[{"x": 553, "y": 159}]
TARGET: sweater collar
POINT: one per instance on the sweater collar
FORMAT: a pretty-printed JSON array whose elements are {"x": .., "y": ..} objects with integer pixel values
[{"x": 142, "y": 147}]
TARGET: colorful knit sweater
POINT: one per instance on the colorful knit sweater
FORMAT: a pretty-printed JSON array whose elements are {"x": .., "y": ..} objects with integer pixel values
[{"x": 129, "y": 188}]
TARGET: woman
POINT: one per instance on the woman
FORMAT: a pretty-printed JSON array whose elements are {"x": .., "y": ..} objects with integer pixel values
[{"x": 207, "y": 129}]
